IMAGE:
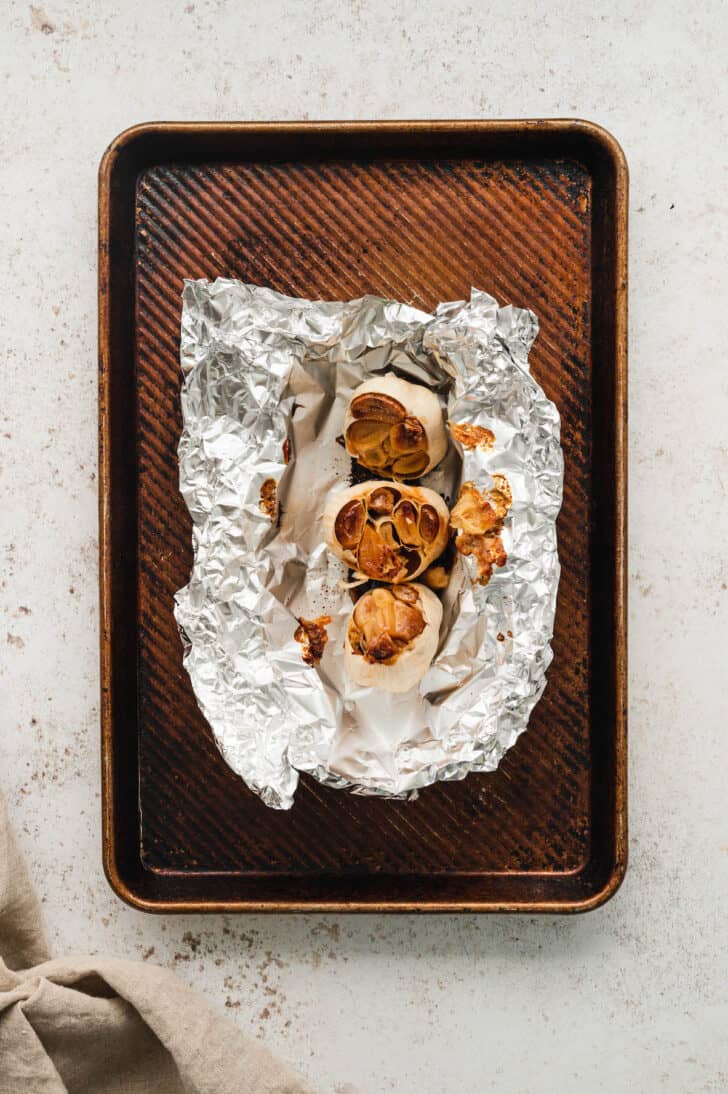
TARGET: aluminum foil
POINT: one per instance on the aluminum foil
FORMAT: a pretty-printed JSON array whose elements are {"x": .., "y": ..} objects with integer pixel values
[{"x": 267, "y": 376}]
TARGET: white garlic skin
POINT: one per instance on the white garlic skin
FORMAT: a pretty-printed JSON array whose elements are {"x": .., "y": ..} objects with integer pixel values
[
  {"x": 418, "y": 402},
  {"x": 413, "y": 662}
]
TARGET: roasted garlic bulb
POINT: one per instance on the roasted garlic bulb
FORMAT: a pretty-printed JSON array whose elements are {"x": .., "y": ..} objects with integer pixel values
[
  {"x": 477, "y": 519},
  {"x": 395, "y": 428},
  {"x": 386, "y": 532},
  {"x": 392, "y": 637}
]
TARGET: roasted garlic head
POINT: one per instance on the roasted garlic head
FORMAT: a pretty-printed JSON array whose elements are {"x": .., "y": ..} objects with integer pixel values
[
  {"x": 386, "y": 532},
  {"x": 477, "y": 519},
  {"x": 395, "y": 428},
  {"x": 392, "y": 637}
]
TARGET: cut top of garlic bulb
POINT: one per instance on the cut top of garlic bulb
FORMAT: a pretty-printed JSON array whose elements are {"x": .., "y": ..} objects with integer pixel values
[
  {"x": 384, "y": 622},
  {"x": 386, "y": 532},
  {"x": 395, "y": 428},
  {"x": 392, "y": 637}
]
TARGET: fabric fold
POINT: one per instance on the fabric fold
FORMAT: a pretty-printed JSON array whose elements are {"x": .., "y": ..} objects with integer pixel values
[{"x": 95, "y": 1025}]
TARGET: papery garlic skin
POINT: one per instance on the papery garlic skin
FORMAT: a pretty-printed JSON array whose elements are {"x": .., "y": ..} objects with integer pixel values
[
  {"x": 395, "y": 428},
  {"x": 408, "y": 665},
  {"x": 386, "y": 531}
]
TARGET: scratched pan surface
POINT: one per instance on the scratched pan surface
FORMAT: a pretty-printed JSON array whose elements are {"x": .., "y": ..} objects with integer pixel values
[{"x": 535, "y": 213}]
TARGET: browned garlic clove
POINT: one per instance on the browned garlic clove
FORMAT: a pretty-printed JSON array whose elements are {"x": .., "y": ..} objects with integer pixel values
[
  {"x": 406, "y": 593},
  {"x": 410, "y": 467},
  {"x": 392, "y": 637},
  {"x": 477, "y": 518},
  {"x": 350, "y": 521},
  {"x": 376, "y": 558},
  {"x": 408, "y": 436},
  {"x": 406, "y": 522},
  {"x": 313, "y": 636},
  {"x": 383, "y": 501},
  {"x": 429, "y": 523},
  {"x": 386, "y": 533},
  {"x": 268, "y": 503},
  {"x": 367, "y": 435},
  {"x": 472, "y": 436},
  {"x": 370, "y": 402},
  {"x": 395, "y": 427},
  {"x": 436, "y": 577}
]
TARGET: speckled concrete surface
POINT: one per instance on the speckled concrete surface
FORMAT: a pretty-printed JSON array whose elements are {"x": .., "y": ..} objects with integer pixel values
[{"x": 632, "y": 997}]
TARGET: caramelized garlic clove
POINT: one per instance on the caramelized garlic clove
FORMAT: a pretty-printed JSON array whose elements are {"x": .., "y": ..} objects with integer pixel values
[
  {"x": 377, "y": 406},
  {"x": 405, "y": 521},
  {"x": 408, "y": 436},
  {"x": 477, "y": 519},
  {"x": 312, "y": 635},
  {"x": 377, "y": 559},
  {"x": 350, "y": 522},
  {"x": 383, "y": 500},
  {"x": 410, "y": 467},
  {"x": 386, "y": 530},
  {"x": 436, "y": 577},
  {"x": 408, "y": 621},
  {"x": 412, "y": 561},
  {"x": 363, "y": 436},
  {"x": 429, "y": 523},
  {"x": 476, "y": 513},
  {"x": 472, "y": 436},
  {"x": 406, "y": 593}
]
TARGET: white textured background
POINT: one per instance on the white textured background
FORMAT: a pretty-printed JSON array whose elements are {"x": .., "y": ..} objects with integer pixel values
[{"x": 629, "y": 998}]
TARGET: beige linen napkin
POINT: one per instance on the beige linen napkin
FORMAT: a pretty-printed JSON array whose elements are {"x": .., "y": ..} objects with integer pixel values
[{"x": 91, "y": 1025}]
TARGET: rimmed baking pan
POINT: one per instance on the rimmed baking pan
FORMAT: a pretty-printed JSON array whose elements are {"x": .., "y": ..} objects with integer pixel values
[{"x": 534, "y": 212}]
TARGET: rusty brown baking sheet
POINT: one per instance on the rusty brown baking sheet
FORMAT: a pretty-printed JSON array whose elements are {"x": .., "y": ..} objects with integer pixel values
[{"x": 532, "y": 212}]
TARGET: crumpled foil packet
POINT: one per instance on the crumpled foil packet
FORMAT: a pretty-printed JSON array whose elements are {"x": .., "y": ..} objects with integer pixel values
[{"x": 268, "y": 377}]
